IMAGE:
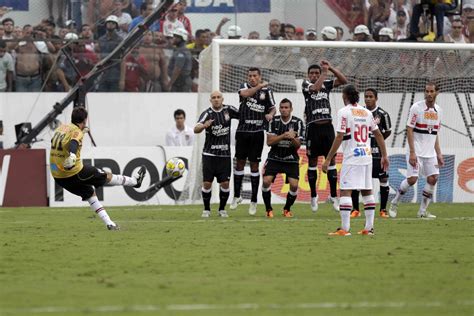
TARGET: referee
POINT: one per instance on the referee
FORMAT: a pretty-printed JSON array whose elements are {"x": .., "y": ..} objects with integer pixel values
[
  {"x": 319, "y": 130},
  {"x": 257, "y": 107},
  {"x": 216, "y": 162}
]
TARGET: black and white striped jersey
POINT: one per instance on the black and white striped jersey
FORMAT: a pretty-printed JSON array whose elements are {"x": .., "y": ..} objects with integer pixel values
[
  {"x": 317, "y": 102},
  {"x": 253, "y": 109},
  {"x": 217, "y": 141},
  {"x": 284, "y": 151},
  {"x": 382, "y": 119}
]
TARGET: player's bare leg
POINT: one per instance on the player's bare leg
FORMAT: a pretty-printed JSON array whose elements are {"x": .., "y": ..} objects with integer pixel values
[
  {"x": 238, "y": 178},
  {"x": 312, "y": 178},
  {"x": 267, "y": 195},
  {"x": 404, "y": 186},
  {"x": 254, "y": 181},
  {"x": 290, "y": 197},
  {"x": 427, "y": 196}
]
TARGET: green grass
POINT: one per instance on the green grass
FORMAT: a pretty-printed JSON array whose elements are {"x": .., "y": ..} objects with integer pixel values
[{"x": 168, "y": 261}]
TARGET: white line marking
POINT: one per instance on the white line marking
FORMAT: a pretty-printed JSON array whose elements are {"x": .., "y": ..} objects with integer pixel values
[{"x": 244, "y": 306}]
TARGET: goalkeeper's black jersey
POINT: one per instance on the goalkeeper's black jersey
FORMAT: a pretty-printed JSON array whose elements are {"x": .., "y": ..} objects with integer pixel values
[
  {"x": 217, "y": 141},
  {"x": 382, "y": 119},
  {"x": 253, "y": 109},
  {"x": 317, "y": 102},
  {"x": 284, "y": 151}
]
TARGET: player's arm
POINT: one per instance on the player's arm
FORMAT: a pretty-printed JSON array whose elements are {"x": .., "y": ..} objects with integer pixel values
[
  {"x": 332, "y": 152},
  {"x": 411, "y": 145},
  {"x": 387, "y": 126},
  {"x": 252, "y": 90},
  {"x": 340, "y": 77},
  {"x": 439, "y": 155},
  {"x": 202, "y": 126},
  {"x": 70, "y": 161},
  {"x": 315, "y": 87},
  {"x": 379, "y": 138},
  {"x": 273, "y": 139}
]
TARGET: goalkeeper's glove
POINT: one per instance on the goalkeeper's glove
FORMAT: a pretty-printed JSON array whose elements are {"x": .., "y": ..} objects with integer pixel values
[{"x": 70, "y": 161}]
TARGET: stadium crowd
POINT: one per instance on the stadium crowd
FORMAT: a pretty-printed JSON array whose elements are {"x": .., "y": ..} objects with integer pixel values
[{"x": 167, "y": 59}]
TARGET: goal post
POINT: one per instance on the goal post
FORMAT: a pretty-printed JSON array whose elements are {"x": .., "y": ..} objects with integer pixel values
[{"x": 398, "y": 71}]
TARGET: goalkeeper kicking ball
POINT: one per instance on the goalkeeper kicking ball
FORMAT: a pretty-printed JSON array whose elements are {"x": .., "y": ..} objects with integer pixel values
[{"x": 175, "y": 167}]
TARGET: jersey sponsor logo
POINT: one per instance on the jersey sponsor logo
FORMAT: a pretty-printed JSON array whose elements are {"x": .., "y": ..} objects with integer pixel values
[
  {"x": 361, "y": 152},
  {"x": 320, "y": 111},
  {"x": 219, "y": 130},
  {"x": 359, "y": 112},
  {"x": 254, "y": 122},
  {"x": 226, "y": 116},
  {"x": 252, "y": 104},
  {"x": 319, "y": 96},
  {"x": 220, "y": 147},
  {"x": 430, "y": 116}
]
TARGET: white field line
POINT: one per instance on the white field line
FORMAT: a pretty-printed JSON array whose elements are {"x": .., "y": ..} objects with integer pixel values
[{"x": 245, "y": 306}]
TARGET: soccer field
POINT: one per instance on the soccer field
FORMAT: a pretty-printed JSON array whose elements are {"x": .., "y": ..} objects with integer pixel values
[{"x": 169, "y": 261}]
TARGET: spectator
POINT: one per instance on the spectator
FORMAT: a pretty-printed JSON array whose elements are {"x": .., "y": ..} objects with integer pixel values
[
  {"x": 87, "y": 37},
  {"x": 180, "y": 63},
  {"x": 134, "y": 72},
  {"x": 124, "y": 19},
  {"x": 62, "y": 32},
  {"x": 209, "y": 38},
  {"x": 328, "y": 33},
  {"x": 400, "y": 28},
  {"x": 56, "y": 80},
  {"x": 130, "y": 8},
  {"x": 385, "y": 35},
  {"x": 145, "y": 10},
  {"x": 456, "y": 36},
  {"x": 156, "y": 60},
  {"x": 378, "y": 14},
  {"x": 340, "y": 33},
  {"x": 6, "y": 69},
  {"x": 254, "y": 35},
  {"x": 84, "y": 60},
  {"x": 311, "y": 35},
  {"x": 18, "y": 32},
  {"x": 234, "y": 32},
  {"x": 362, "y": 34},
  {"x": 2, "y": 31},
  {"x": 299, "y": 34},
  {"x": 171, "y": 23},
  {"x": 439, "y": 10},
  {"x": 398, "y": 5},
  {"x": 180, "y": 134},
  {"x": 289, "y": 32},
  {"x": 27, "y": 30},
  {"x": 106, "y": 44},
  {"x": 357, "y": 14},
  {"x": 182, "y": 5},
  {"x": 199, "y": 44},
  {"x": 275, "y": 30},
  {"x": 70, "y": 25},
  {"x": 28, "y": 66},
  {"x": 8, "y": 26},
  {"x": 222, "y": 22},
  {"x": 468, "y": 15}
]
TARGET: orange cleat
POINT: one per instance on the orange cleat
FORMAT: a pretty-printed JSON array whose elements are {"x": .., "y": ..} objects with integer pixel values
[
  {"x": 384, "y": 214},
  {"x": 355, "y": 213},
  {"x": 270, "y": 213},
  {"x": 287, "y": 213},
  {"x": 366, "y": 232},
  {"x": 340, "y": 232}
]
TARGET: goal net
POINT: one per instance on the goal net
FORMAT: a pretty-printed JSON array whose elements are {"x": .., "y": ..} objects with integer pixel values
[{"x": 398, "y": 71}]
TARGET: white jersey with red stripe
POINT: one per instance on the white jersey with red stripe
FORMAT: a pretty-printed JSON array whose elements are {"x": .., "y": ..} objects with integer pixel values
[
  {"x": 425, "y": 122},
  {"x": 356, "y": 123}
]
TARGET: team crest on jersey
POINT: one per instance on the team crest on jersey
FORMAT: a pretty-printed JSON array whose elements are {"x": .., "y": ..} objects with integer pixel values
[
  {"x": 377, "y": 120},
  {"x": 226, "y": 116},
  {"x": 262, "y": 95},
  {"x": 430, "y": 128}
]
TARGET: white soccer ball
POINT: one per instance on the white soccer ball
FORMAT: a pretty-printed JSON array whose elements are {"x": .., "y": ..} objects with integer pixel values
[{"x": 175, "y": 167}]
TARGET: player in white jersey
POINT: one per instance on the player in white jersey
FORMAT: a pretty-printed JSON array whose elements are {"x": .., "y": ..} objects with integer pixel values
[
  {"x": 354, "y": 123},
  {"x": 424, "y": 155}
]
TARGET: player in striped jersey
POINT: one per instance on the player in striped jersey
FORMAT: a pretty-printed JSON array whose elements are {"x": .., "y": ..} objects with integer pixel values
[
  {"x": 382, "y": 119},
  {"x": 354, "y": 124},
  {"x": 424, "y": 155},
  {"x": 285, "y": 133},
  {"x": 216, "y": 160},
  {"x": 257, "y": 107}
]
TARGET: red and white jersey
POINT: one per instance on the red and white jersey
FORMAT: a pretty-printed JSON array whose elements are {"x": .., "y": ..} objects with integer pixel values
[
  {"x": 356, "y": 123},
  {"x": 425, "y": 122}
]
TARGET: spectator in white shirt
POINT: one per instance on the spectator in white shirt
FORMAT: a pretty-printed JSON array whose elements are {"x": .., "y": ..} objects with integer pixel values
[{"x": 181, "y": 134}]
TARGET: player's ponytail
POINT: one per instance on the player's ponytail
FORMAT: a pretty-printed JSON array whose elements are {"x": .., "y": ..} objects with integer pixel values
[{"x": 351, "y": 93}]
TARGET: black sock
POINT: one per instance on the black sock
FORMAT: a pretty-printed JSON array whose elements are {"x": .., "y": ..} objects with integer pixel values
[
  {"x": 267, "y": 199},
  {"x": 223, "y": 196},
  {"x": 238, "y": 183},
  {"x": 290, "y": 199},
  {"x": 332, "y": 177},
  {"x": 206, "y": 199},
  {"x": 312, "y": 177},
  {"x": 384, "y": 196},
  {"x": 355, "y": 200},
  {"x": 254, "y": 180}
]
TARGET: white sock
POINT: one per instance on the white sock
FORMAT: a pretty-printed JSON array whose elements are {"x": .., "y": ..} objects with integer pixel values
[
  {"x": 404, "y": 186},
  {"x": 426, "y": 198},
  {"x": 345, "y": 208},
  {"x": 123, "y": 180},
  {"x": 369, "y": 210},
  {"x": 97, "y": 207}
]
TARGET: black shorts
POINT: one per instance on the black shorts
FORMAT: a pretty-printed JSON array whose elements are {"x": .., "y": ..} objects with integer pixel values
[
  {"x": 83, "y": 183},
  {"x": 215, "y": 166},
  {"x": 249, "y": 146},
  {"x": 274, "y": 167},
  {"x": 319, "y": 139},
  {"x": 377, "y": 172}
]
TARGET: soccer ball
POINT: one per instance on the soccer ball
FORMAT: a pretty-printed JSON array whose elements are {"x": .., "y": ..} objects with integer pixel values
[{"x": 175, "y": 167}]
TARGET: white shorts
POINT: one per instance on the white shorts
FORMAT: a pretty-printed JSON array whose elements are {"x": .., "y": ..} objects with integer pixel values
[
  {"x": 425, "y": 167},
  {"x": 356, "y": 177}
]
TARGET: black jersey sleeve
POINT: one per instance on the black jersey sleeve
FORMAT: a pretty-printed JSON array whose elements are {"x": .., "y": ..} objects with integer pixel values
[
  {"x": 328, "y": 84},
  {"x": 203, "y": 117}
]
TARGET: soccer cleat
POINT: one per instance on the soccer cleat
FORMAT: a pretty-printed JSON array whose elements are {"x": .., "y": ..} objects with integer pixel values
[
  {"x": 206, "y": 214},
  {"x": 426, "y": 215},
  {"x": 139, "y": 176},
  {"x": 355, "y": 213},
  {"x": 392, "y": 211},
  {"x": 253, "y": 208},
  {"x": 314, "y": 204},
  {"x": 335, "y": 203},
  {"x": 223, "y": 213},
  {"x": 235, "y": 202},
  {"x": 270, "y": 213},
  {"x": 113, "y": 227},
  {"x": 340, "y": 232},
  {"x": 287, "y": 213},
  {"x": 369, "y": 232},
  {"x": 384, "y": 214}
]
